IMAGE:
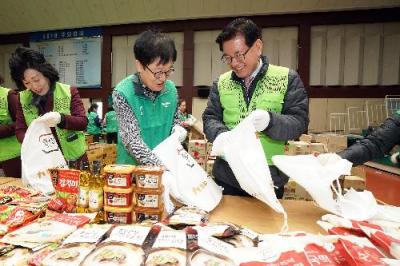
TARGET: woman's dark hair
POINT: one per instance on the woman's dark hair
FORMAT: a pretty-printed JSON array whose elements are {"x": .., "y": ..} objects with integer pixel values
[
  {"x": 180, "y": 101},
  {"x": 152, "y": 44},
  {"x": 240, "y": 26},
  {"x": 25, "y": 58},
  {"x": 92, "y": 107}
]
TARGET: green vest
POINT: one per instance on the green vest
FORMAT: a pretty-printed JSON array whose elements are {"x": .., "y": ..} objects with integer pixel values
[
  {"x": 92, "y": 128},
  {"x": 268, "y": 95},
  {"x": 9, "y": 146},
  {"x": 155, "y": 118},
  {"x": 111, "y": 122},
  {"x": 73, "y": 149}
]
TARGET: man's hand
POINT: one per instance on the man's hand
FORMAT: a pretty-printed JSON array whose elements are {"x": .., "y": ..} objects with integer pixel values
[
  {"x": 219, "y": 143},
  {"x": 260, "y": 119},
  {"x": 51, "y": 119}
]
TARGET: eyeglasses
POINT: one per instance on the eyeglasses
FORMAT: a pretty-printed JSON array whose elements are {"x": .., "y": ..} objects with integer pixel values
[
  {"x": 239, "y": 57},
  {"x": 159, "y": 74}
]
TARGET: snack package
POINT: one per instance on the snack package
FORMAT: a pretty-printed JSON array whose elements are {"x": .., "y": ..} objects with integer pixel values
[
  {"x": 124, "y": 246},
  {"x": 45, "y": 231},
  {"x": 208, "y": 250},
  {"x": 17, "y": 256},
  {"x": 185, "y": 216},
  {"x": 67, "y": 188},
  {"x": 169, "y": 248},
  {"x": 386, "y": 236}
]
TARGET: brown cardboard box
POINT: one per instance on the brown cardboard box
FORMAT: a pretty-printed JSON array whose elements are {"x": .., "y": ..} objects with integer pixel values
[
  {"x": 294, "y": 191},
  {"x": 334, "y": 142},
  {"x": 355, "y": 182},
  {"x": 197, "y": 148},
  {"x": 297, "y": 148},
  {"x": 359, "y": 171},
  {"x": 306, "y": 138},
  {"x": 318, "y": 148}
]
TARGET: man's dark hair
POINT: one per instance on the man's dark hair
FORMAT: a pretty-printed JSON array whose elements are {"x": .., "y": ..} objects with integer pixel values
[
  {"x": 240, "y": 26},
  {"x": 152, "y": 44},
  {"x": 25, "y": 58}
]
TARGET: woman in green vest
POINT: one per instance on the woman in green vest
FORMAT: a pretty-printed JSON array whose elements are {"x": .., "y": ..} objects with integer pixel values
[
  {"x": 10, "y": 148},
  {"x": 59, "y": 105},
  {"x": 111, "y": 125},
  {"x": 94, "y": 125},
  {"x": 146, "y": 102}
]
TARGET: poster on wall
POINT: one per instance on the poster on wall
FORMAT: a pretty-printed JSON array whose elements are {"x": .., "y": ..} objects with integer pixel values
[{"x": 75, "y": 54}]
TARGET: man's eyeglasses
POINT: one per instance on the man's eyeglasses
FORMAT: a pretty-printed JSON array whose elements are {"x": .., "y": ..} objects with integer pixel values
[
  {"x": 239, "y": 57},
  {"x": 159, "y": 74}
]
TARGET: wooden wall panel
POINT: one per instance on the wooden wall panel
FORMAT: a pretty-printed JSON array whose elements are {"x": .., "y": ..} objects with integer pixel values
[
  {"x": 372, "y": 57},
  {"x": 334, "y": 55},
  {"x": 353, "y": 54}
]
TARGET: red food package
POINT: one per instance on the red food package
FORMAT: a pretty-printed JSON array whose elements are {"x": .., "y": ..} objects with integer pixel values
[
  {"x": 361, "y": 255},
  {"x": 67, "y": 188},
  {"x": 19, "y": 217},
  {"x": 57, "y": 205}
]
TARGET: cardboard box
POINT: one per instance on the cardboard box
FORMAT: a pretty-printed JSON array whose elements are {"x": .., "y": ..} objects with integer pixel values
[
  {"x": 293, "y": 191},
  {"x": 297, "y": 148},
  {"x": 209, "y": 167},
  {"x": 197, "y": 148},
  {"x": 306, "y": 138},
  {"x": 333, "y": 142},
  {"x": 359, "y": 171},
  {"x": 355, "y": 182}
]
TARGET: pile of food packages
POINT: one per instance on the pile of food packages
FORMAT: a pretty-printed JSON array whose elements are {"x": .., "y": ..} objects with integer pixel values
[{"x": 114, "y": 216}]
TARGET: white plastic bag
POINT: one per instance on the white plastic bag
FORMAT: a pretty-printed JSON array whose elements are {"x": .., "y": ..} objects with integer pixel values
[
  {"x": 317, "y": 176},
  {"x": 245, "y": 155},
  {"x": 40, "y": 152},
  {"x": 188, "y": 182}
]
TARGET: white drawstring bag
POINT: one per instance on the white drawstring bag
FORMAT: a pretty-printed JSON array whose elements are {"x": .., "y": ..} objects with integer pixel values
[
  {"x": 245, "y": 155},
  {"x": 316, "y": 176},
  {"x": 40, "y": 152},
  {"x": 187, "y": 182}
]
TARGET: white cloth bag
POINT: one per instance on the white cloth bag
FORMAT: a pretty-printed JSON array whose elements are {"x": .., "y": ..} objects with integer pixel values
[
  {"x": 40, "y": 152},
  {"x": 188, "y": 182},
  {"x": 245, "y": 155}
]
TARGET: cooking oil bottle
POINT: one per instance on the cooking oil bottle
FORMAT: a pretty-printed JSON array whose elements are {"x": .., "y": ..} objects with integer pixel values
[
  {"x": 96, "y": 184},
  {"x": 84, "y": 179}
]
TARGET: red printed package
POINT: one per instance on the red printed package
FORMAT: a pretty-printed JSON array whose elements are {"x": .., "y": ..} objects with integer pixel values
[
  {"x": 67, "y": 191},
  {"x": 386, "y": 238}
]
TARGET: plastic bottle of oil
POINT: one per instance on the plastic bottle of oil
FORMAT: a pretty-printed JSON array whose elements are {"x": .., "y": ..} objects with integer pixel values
[
  {"x": 96, "y": 184},
  {"x": 84, "y": 179}
]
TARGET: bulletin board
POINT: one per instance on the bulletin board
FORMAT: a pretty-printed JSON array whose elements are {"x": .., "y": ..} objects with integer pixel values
[{"x": 77, "y": 60}]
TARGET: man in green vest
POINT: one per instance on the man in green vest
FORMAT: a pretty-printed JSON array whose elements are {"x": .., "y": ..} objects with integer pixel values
[
  {"x": 273, "y": 96},
  {"x": 146, "y": 102},
  {"x": 111, "y": 125},
  {"x": 10, "y": 148}
]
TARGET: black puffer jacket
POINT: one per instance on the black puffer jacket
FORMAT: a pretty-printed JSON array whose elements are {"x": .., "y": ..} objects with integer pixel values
[
  {"x": 375, "y": 145},
  {"x": 289, "y": 125}
]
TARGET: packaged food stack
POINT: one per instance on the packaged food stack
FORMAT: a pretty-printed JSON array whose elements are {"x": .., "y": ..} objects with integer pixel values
[
  {"x": 149, "y": 193},
  {"x": 118, "y": 193},
  {"x": 198, "y": 150}
]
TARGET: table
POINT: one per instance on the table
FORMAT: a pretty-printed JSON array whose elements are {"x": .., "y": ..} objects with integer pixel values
[{"x": 254, "y": 214}]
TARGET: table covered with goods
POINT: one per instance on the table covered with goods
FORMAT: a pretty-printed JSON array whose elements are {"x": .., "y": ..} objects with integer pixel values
[
  {"x": 175, "y": 214},
  {"x": 117, "y": 218}
]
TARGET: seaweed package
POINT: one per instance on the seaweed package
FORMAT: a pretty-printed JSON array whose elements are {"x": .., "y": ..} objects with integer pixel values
[
  {"x": 76, "y": 246},
  {"x": 185, "y": 216},
  {"x": 16, "y": 257},
  {"x": 45, "y": 231},
  {"x": 124, "y": 246},
  {"x": 169, "y": 248},
  {"x": 211, "y": 251}
]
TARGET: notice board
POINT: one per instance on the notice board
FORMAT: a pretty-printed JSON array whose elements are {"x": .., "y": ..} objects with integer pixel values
[{"x": 77, "y": 60}]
